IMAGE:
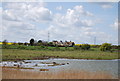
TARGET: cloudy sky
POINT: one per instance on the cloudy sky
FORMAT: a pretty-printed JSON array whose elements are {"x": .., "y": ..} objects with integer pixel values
[{"x": 80, "y": 22}]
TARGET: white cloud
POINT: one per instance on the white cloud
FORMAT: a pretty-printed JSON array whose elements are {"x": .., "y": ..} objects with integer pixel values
[
  {"x": 1, "y": 23},
  {"x": 59, "y": 8},
  {"x": 18, "y": 19},
  {"x": 27, "y": 11},
  {"x": 80, "y": 9},
  {"x": 115, "y": 24},
  {"x": 39, "y": 14},
  {"x": 73, "y": 18},
  {"x": 75, "y": 25},
  {"x": 106, "y": 6},
  {"x": 14, "y": 30}
]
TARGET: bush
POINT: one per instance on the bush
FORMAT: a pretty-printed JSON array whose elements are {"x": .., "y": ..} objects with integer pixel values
[
  {"x": 85, "y": 46},
  {"x": 30, "y": 48},
  {"x": 106, "y": 47},
  {"x": 57, "y": 48},
  {"x": 5, "y": 46},
  {"x": 82, "y": 47},
  {"x": 5, "y": 42},
  {"x": 95, "y": 46},
  {"x": 21, "y": 47},
  {"x": 77, "y": 47}
]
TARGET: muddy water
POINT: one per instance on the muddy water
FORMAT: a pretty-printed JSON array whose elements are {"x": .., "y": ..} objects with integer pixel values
[{"x": 106, "y": 68}]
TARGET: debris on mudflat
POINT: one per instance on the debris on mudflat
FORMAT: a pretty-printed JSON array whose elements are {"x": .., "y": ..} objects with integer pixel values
[{"x": 44, "y": 69}]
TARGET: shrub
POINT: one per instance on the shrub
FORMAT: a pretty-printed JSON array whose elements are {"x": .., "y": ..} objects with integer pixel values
[
  {"x": 85, "y": 46},
  {"x": 82, "y": 47},
  {"x": 5, "y": 46},
  {"x": 30, "y": 48},
  {"x": 21, "y": 47},
  {"x": 57, "y": 48},
  {"x": 95, "y": 46},
  {"x": 50, "y": 44},
  {"x": 5, "y": 42},
  {"x": 105, "y": 47},
  {"x": 77, "y": 47}
]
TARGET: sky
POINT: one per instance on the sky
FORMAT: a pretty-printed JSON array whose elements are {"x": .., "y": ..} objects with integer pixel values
[{"x": 80, "y": 22}]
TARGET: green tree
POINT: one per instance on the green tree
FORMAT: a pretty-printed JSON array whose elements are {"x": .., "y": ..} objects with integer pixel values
[
  {"x": 25, "y": 43},
  {"x": 31, "y": 42},
  {"x": 5, "y": 42},
  {"x": 105, "y": 47},
  {"x": 73, "y": 44},
  {"x": 20, "y": 43},
  {"x": 50, "y": 44},
  {"x": 39, "y": 43}
]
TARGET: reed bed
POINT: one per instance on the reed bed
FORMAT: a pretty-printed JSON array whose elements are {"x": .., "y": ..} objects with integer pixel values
[
  {"x": 9, "y": 73},
  {"x": 0, "y": 73}
]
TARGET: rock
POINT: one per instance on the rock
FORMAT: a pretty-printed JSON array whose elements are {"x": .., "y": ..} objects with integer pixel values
[
  {"x": 21, "y": 63},
  {"x": 18, "y": 66},
  {"x": 15, "y": 65},
  {"x": 15, "y": 61},
  {"x": 54, "y": 63},
  {"x": 36, "y": 64},
  {"x": 25, "y": 61},
  {"x": 63, "y": 64}
]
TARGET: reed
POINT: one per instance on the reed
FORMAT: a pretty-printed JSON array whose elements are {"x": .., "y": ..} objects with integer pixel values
[{"x": 9, "y": 73}]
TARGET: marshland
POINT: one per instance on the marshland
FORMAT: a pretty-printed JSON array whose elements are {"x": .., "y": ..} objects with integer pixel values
[{"x": 59, "y": 62}]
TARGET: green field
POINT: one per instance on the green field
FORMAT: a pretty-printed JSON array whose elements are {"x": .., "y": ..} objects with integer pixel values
[{"x": 23, "y": 54}]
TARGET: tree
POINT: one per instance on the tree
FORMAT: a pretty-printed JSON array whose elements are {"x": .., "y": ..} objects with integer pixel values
[
  {"x": 5, "y": 42},
  {"x": 31, "y": 42},
  {"x": 105, "y": 47},
  {"x": 14, "y": 43},
  {"x": 25, "y": 43},
  {"x": 82, "y": 47},
  {"x": 20, "y": 43},
  {"x": 50, "y": 44},
  {"x": 40, "y": 41},
  {"x": 73, "y": 44}
]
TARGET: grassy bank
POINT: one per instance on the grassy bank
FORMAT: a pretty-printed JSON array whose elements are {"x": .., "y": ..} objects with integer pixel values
[{"x": 18, "y": 54}]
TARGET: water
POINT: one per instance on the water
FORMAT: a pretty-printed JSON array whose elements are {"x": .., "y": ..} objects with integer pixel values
[{"x": 109, "y": 66}]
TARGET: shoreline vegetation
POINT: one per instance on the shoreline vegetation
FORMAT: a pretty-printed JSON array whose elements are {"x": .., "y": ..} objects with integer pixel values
[
  {"x": 39, "y": 50},
  {"x": 33, "y": 53},
  {"x": 18, "y": 53}
]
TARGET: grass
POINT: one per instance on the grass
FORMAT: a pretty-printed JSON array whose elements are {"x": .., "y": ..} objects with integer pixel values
[{"x": 19, "y": 54}]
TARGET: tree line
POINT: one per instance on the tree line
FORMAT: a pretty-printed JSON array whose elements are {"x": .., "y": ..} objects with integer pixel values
[{"x": 32, "y": 42}]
